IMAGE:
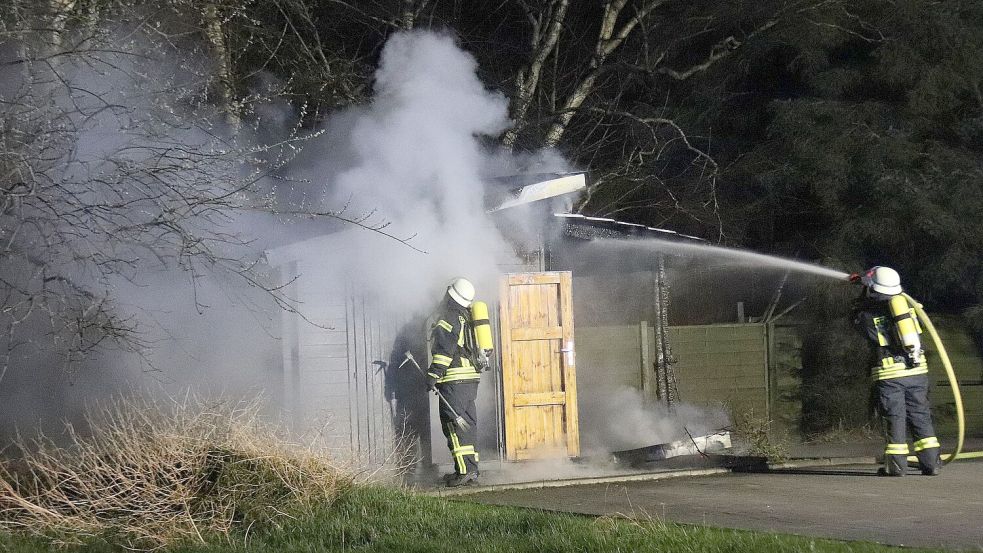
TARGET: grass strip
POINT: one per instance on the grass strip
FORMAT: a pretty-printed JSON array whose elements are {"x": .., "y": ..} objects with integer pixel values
[{"x": 367, "y": 519}]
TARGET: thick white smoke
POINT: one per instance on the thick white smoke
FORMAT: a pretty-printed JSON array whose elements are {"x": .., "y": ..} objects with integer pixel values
[
  {"x": 126, "y": 165},
  {"x": 413, "y": 159}
]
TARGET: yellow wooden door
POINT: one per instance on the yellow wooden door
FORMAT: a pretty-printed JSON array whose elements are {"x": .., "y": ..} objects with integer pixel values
[{"x": 539, "y": 379}]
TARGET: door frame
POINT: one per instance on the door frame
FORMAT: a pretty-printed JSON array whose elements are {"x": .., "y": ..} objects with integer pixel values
[{"x": 567, "y": 351}]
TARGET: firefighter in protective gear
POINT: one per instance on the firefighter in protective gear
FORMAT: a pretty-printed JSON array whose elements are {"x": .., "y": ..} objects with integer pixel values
[
  {"x": 901, "y": 373},
  {"x": 453, "y": 372}
]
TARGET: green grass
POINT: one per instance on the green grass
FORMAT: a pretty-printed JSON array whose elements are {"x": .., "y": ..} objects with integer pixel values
[{"x": 377, "y": 519}]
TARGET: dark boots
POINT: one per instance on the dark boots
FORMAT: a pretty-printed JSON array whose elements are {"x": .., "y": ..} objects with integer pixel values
[
  {"x": 930, "y": 462},
  {"x": 465, "y": 479},
  {"x": 894, "y": 465}
]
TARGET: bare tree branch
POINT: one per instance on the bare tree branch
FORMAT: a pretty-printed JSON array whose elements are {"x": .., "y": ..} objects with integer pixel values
[
  {"x": 116, "y": 160},
  {"x": 722, "y": 49},
  {"x": 610, "y": 37},
  {"x": 546, "y": 27}
]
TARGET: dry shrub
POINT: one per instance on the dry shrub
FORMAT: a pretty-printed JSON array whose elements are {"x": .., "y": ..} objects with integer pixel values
[
  {"x": 757, "y": 438},
  {"x": 843, "y": 433},
  {"x": 151, "y": 474}
]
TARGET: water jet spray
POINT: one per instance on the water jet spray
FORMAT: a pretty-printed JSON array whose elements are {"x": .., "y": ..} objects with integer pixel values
[{"x": 745, "y": 258}]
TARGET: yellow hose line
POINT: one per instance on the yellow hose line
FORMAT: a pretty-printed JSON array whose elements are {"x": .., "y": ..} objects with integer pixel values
[
  {"x": 953, "y": 383},
  {"x": 947, "y": 457}
]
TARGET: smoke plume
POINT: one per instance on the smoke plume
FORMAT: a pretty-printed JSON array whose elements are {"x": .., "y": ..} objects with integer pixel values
[{"x": 413, "y": 161}]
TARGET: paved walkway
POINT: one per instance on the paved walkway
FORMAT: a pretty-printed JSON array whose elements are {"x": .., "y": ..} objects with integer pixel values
[{"x": 843, "y": 502}]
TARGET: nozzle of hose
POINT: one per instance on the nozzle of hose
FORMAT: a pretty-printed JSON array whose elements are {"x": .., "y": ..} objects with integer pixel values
[{"x": 854, "y": 278}]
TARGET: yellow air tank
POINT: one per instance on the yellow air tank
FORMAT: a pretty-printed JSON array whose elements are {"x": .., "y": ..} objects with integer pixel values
[
  {"x": 905, "y": 321},
  {"x": 482, "y": 326}
]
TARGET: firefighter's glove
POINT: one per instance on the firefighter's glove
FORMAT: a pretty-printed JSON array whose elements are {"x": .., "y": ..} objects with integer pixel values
[
  {"x": 482, "y": 360},
  {"x": 431, "y": 383}
]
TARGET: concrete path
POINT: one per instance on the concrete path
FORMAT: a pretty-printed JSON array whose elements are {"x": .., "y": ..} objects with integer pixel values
[{"x": 842, "y": 502}]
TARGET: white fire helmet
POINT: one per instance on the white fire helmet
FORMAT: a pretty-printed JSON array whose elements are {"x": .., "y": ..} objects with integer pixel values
[
  {"x": 462, "y": 291},
  {"x": 882, "y": 279}
]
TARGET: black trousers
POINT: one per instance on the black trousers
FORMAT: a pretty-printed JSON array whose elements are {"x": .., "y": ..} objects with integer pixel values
[
  {"x": 903, "y": 403},
  {"x": 461, "y": 442}
]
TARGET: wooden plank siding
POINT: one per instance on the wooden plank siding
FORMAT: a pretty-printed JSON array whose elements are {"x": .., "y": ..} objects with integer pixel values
[
  {"x": 967, "y": 363},
  {"x": 608, "y": 358},
  {"x": 725, "y": 364},
  {"x": 333, "y": 390},
  {"x": 715, "y": 364}
]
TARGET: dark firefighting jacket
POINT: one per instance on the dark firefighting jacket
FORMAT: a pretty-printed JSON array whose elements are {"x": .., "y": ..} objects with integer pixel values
[{"x": 452, "y": 345}]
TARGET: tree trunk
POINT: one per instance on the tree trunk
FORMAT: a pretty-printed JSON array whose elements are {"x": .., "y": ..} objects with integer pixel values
[
  {"x": 544, "y": 40},
  {"x": 223, "y": 73},
  {"x": 610, "y": 37},
  {"x": 408, "y": 19},
  {"x": 60, "y": 10}
]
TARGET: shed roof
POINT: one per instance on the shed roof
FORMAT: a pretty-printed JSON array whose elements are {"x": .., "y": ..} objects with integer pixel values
[
  {"x": 524, "y": 189},
  {"x": 589, "y": 228}
]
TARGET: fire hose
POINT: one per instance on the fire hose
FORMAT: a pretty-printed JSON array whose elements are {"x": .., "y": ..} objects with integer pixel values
[{"x": 957, "y": 453}]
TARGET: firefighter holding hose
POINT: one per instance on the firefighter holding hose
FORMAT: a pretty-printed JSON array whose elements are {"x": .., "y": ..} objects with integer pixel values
[
  {"x": 457, "y": 358},
  {"x": 889, "y": 323}
]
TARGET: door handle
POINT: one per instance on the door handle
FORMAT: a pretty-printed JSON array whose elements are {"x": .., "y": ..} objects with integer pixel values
[{"x": 569, "y": 352}]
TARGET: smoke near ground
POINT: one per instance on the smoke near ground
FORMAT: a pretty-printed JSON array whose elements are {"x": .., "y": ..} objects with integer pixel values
[
  {"x": 624, "y": 419},
  {"x": 615, "y": 420}
]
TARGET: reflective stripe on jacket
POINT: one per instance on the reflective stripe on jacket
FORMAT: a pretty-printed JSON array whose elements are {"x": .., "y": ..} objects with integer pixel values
[
  {"x": 873, "y": 317},
  {"x": 449, "y": 346},
  {"x": 897, "y": 368}
]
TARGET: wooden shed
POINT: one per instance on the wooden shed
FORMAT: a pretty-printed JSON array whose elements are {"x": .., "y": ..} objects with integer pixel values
[{"x": 575, "y": 322}]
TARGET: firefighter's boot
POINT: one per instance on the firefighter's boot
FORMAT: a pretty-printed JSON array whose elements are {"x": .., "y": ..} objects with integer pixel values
[
  {"x": 894, "y": 465},
  {"x": 452, "y": 475},
  {"x": 462, "y": 479},
  {"x": 930, "y": 462}
]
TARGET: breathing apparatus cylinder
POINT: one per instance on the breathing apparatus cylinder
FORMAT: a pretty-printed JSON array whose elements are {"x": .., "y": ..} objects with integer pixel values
[
  {"x": 906, "y": 323},
  {"x": 482, "y": 326}
]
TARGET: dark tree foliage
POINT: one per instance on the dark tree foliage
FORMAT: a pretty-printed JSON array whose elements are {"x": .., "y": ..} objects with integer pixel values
[{"x": 868, "y": 149}]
